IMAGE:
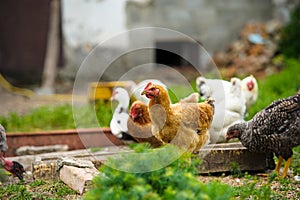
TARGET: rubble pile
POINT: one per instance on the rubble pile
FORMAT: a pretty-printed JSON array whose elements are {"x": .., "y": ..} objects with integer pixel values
[{"x": 252, "y": 53}]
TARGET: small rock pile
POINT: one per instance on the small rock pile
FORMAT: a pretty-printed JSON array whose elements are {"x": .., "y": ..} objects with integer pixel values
[{"x": 253, "y": 52}]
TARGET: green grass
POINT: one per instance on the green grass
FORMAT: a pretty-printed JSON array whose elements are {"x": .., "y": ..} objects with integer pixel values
[
  {"x": 58, "y": 117},
  {"x": 254, "y": 187},
  {"x": 38, "y": 189},
  {"x": 250, "y": 189}
]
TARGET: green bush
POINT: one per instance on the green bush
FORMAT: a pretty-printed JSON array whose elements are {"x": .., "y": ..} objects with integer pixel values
[
  {"x": 178, "y": 180},
  {"x": 289, "y": 44}
]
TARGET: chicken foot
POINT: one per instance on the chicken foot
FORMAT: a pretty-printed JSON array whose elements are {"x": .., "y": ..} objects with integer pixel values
[{"x": 286, "y": 166}]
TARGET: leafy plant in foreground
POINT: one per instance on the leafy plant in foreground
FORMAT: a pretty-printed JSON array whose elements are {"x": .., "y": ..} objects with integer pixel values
[{"x": 177, "y": 180}]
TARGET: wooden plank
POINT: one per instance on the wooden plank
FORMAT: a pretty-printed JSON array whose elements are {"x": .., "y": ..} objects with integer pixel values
[
  {"x": 225, "y": 157},
  {"x": 74, "y": 138}
]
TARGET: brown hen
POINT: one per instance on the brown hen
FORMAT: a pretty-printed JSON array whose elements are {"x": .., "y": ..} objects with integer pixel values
[
  {"x": 183, "y": 124},
  {"x": 139, "y": 124}
]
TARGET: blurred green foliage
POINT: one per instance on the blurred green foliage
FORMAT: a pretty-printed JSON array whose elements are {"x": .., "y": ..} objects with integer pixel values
[
  {"x": 289, "y": 44},
  {"x": 277, "y": 86}
]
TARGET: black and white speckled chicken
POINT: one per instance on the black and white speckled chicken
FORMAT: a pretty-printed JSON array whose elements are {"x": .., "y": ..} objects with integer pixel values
[
  {"x": 276, "y": 129},
  {"x": 15, "y": 168},
  {"x": 3, "y": 144}
]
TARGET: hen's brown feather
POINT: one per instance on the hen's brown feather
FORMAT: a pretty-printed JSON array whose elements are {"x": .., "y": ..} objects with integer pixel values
[
  {"x": 139, "y": 127},
  {"x": 183, "y": 124}
]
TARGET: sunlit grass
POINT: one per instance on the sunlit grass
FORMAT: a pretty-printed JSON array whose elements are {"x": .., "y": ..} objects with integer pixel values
[{"x": 58, "y": 117}]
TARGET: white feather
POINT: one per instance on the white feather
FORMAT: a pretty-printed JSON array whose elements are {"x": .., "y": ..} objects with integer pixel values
[
  {"x": 118, "y": 123},
  {"x": 230, "y": 105}
]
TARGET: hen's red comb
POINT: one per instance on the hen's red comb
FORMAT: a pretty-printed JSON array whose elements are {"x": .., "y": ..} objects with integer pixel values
[
  {"x": 148, "y": 85},
  {"x": 133, "y": 107}
]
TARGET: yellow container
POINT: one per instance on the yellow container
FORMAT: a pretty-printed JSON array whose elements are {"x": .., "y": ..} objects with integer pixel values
[{"x": 103, "y": 90}]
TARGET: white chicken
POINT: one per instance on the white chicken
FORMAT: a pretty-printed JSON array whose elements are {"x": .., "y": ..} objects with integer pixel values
[
  {"x": 250, "y": 90},
  {"x": 118, "y": 123},
  {"x": 212, "y": 88},
  {"x": 217, "y": 89},
  {"x": 228, "y": 111}
]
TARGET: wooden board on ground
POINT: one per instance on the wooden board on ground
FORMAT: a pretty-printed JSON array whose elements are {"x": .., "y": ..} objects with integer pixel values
[{"x": 228, "y": 156}]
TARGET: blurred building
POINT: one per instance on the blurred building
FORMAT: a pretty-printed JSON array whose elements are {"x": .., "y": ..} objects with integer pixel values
[
  {"x": 23, "y": 39},
  {"x": 86, "y": 23}
]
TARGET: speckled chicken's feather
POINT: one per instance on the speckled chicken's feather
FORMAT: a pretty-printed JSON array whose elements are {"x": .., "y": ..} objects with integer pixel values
[
  {"x": 279, "y": 117},
  {"x": 3, "y": 144}
]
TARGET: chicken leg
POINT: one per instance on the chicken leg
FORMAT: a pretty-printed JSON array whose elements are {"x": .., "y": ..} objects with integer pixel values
[
  {"x": 277, "y": 169},
  {"x": 286, "y": 167}
]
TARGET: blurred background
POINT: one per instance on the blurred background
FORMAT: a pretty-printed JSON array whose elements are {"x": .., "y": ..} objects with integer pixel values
[{"x": 34, "y": 33}]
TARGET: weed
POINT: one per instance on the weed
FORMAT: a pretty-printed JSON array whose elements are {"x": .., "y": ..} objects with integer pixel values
[
  {"x": 95, "y": 149},
  {"x": 38, "y": 189},
  {"x": 251, "y": 189},
  {"x": 235, "y": 170},
  {"x": 62, "y": 190},
  {"x": 37, "y": 183},
  {"x": 16, "y": 192}
]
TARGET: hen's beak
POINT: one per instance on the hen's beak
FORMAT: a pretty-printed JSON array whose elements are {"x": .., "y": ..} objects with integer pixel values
[
  {"x": 20, "y": 176},
  {"x": 144, "y": 92},
  {"x": 113, "y": 95},
  {"x": 227, "y": 138}
]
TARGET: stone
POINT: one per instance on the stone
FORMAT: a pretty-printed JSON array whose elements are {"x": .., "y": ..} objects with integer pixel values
[
  {"x": 74, "y": 162},
  {"x": 33, "y": 150},
  {"x": 78, "y": 179}
]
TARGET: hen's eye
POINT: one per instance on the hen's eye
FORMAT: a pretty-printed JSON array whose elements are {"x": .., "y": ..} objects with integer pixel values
[{"x": 231, "y": 133}]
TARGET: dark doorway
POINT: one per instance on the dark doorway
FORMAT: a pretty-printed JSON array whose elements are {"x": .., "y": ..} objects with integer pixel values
[{"x": 177, "y": 53}]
